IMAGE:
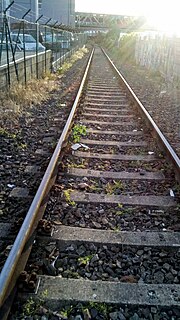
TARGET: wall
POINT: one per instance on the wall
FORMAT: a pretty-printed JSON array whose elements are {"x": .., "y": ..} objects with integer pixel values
[{"x": 31, "y": 69}]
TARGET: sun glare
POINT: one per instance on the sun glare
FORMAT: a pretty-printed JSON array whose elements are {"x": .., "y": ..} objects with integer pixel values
[
  {"x": 164, "y": 18},
  {"x": 163, "y": 15}
]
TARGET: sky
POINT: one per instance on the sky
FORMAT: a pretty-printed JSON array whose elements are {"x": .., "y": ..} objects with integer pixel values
[
  {"x": 124, "y": 7},
  {"x": 128, "y": 7},
  {"x": 161, "y": 13}
]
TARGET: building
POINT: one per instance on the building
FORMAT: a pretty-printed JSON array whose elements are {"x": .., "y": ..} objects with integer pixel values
[{"x": 62, "y": 11}]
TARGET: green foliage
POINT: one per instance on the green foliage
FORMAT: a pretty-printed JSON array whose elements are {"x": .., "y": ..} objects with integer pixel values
[
  {"x": 126, "y": 49},
  {"x": 66, "y": 312},
  {"x": 84, "y": 260},
  {"x": 128, "y": 210},
  {"x": 120, "y": 47},
  {"x": 31, "y": 306},
  {"x": 76, "y": 56},
  {"x": 5, "y": 133},
  {"x": 78, "y": 131},
  {"x": 74, "y": 275},
  {"x": 81, "y": 165},
  {"x": 22, "y": 146},
  {"x": 68, "y": 197},
  {"x": 116, "y": 229},
  {"x": 113, "y": 187},
  {"x": 119, "y": 213},
  {"x": 101, "y": 307},
  {"x": 94, "y": 186}
]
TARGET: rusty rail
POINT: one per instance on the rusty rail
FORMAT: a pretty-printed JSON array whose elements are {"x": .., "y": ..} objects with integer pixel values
[
  {"x": 20, "y": 251},
  {"x": 156, "y": 132}
]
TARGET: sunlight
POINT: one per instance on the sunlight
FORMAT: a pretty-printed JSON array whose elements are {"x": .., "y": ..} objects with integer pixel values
[
  {"x": 128, "y": 7},
  {"x": 164, "y": 17},
  {"x": 160, "y": 14}
]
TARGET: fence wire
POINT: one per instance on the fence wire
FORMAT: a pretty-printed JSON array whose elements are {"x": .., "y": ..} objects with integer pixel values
[{"x": 29, "y": 50}]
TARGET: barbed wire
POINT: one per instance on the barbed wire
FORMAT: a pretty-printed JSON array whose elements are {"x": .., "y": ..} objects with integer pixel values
[{"x": 12, "y": 13}]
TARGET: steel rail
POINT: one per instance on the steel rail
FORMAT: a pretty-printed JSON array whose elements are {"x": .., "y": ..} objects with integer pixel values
[
  {"x": 9, "y": 273},
  {"x": 163, "y": 143},
  {"x": 12, "y": 267}
]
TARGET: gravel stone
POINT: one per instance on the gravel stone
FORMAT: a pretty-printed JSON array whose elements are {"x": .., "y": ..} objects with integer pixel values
[
  {"x": 166, "y": 266},
  {"x": 134, "y": 317},
  {"x": 94, "y": 313},
  {"x": 153, "y": 310},
  {"x": 114, "y": 315},
  {"x": 159, "y": 277}
]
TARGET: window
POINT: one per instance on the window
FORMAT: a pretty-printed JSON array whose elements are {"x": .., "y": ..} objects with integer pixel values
[{"x": 40, "y": 4}]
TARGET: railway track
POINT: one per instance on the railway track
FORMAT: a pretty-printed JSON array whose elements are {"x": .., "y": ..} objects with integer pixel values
[{"x": 109, "y": 244}]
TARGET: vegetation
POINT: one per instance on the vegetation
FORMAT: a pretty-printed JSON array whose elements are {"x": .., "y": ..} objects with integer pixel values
[
  {"x": 67, "y": 197},
  {"x": 5, "y": 133},
  {"x": 78, "y": 131},
  {"x": 102, "y": 308},
  {"x": 84, "y": 260},
  {"x": 76, "y": 56},
  {"x": 120, "y": 46},
  {"x": 19, "y": 99},
  {"x": 113, "y": 187},
  {"x": 81, "y": 165},
  {"x": 32, "y": 306}
]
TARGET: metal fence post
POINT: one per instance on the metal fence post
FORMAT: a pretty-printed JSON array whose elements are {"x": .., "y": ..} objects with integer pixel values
[
  {"x": 37, "y": 45},
  {"x": 45, "y": 42},
  {"x": 37, "y": 49},
  {"x": 5, "y": 24},
  {"x": 24, "y": 46}
]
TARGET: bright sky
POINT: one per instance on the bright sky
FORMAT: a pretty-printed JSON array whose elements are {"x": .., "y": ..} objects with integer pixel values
[
  {"x": 124, "y": 7},
  {"x": 162, "y": 13}
]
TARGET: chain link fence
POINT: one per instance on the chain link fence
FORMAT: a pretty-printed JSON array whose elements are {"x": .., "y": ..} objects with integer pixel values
[{"x": 29, "y": 50}]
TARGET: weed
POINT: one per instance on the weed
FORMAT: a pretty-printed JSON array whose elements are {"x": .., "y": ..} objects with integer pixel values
[
  {"x": 101, "y": 307},
  {"x": 65, "y": 67},
  {"x": 110, "y": 188},
  {"x": 81, "y": 165},
  {"x": 30, "y": 308},
  {"x": 78, "y": 131},
  {"x": 66, "y": 312},
  {"x": 84, "y": 260},
  {"x": 68, "y": 197},
  {"x": 128, "y": 210},
  {"x": 94, "y": 186},
  {"x": 76, "y": 56},
  {"x": 119, "y": 213},
  {"x": 22, "y": 146},
  {"x": 7, "y": 134},
  {"x": 72, "y": 274},
  {"x": 116, "y": 229}
]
